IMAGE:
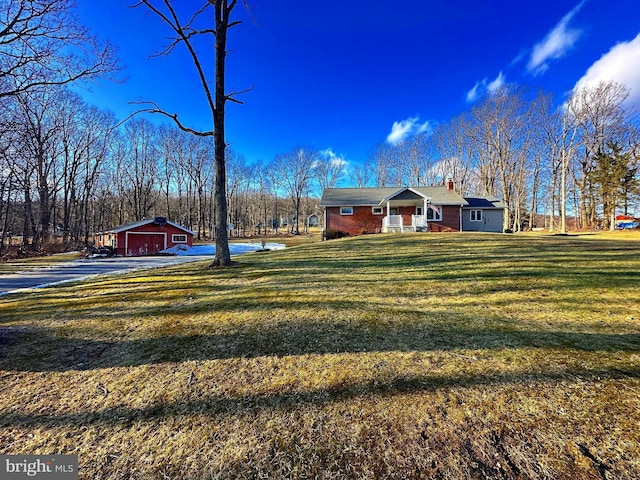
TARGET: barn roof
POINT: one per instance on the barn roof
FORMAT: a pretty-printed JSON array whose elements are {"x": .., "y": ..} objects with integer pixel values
[{"x": 130, "y": 226}]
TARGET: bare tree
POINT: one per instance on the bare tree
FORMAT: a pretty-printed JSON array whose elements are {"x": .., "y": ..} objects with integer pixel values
[
  {"x": 238, "y": 179},
  {"x": 562, "y": 142},
  {"x": 601, "y": 118},
  {"x": 503, "y": 133},
  {"x": 384, "y": 161},
  {"x": 186, "y": 34},
  {"x": 328, "y": 171},
  {"x": 415, "y": 159},
  {"x": 455, "y": 153},
  {"x": 196, "y": 161},
  {"x": 138, "y": 168},
  {"x": 170, "y": 145},
  {"x": 84, "y": 133},
  {"x": 43, "y": 43},
  {"x": 264, "y": 187},
  {"x": 361, "y": 174},
  {"x": 40, "y": 138},
  {"x": 293, "y": 171},
  {"x": 8, "y": 178}
]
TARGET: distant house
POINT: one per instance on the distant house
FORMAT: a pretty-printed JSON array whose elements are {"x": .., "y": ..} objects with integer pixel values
[
  {"x": 313, "y": 220},
  {"x": 145, "y": 237},
  {"x": 393, "y": 209}
]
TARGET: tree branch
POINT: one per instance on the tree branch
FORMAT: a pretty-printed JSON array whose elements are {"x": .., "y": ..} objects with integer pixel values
[
  {"x": 155, "y": 108},
  {"x": 230, "y": 96},
  {"x": 174, "y": 23}
]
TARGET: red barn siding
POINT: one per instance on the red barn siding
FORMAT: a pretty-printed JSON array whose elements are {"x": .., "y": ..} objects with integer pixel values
[{"x": 144, "y": 239}]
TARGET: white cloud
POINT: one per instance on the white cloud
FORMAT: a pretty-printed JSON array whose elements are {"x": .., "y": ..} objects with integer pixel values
[
  {"x": 407, "y": 128},
  {"x": 335, "y": 160},
  {"x": 474, "y": 93},
  {"x": 621, "y": 65},
  {"x": 483, "y": 87},
  {"x": 497, "y": 84},
  {"x": 555, "y": 44}
]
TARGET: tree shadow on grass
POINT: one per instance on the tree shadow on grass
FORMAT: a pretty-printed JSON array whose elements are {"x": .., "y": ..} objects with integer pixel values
[
  {"x": 40, "y": 349},
  {"x": 213, "y": 405}
]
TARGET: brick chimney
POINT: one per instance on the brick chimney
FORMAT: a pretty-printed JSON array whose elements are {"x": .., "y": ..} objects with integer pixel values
[{"x": 450, "y": 184}]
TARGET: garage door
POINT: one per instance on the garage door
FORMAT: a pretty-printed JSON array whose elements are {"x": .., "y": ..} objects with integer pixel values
[{"x": 144, "y": 243}]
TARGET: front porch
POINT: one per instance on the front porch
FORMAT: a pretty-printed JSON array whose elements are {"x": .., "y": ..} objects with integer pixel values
[
  {"x": 404, "y": 223},
  {"x": 405, "y": 212}
]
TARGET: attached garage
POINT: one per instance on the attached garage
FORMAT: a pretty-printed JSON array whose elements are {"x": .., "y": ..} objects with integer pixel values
[
  {"x": 146, "y": 237},
  {"x": 483, "y": 214}
]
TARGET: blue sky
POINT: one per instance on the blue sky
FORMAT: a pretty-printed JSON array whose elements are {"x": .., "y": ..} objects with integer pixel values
[{"x": 345, "y": 76}]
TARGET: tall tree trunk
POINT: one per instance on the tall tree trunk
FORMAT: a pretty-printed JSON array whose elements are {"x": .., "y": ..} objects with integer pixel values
[{"x": 222, "y": 257}]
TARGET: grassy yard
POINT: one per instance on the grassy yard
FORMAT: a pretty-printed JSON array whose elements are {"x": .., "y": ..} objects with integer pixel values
[
  {"x": 32, "y": 263},
  {"x": 436, "y": 356}
]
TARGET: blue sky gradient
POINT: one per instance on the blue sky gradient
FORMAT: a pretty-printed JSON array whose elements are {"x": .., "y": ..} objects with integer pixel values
[{"x": 346, "y": 76}]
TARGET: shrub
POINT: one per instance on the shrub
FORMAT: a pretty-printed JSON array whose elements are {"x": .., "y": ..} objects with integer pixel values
[{"x": 333, "y": 234}]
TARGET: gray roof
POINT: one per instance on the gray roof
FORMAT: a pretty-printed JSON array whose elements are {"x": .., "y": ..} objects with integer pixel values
[
  {"x": 354, "y": 197},
  {"x": 484, "y": 202},
  {"x": 129, "y": 226}
]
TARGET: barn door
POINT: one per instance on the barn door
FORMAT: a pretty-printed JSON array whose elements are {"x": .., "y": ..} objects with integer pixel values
[{"x": 145, "y": 244}]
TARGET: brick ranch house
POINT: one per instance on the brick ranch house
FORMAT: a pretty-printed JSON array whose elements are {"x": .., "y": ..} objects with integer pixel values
[
  {"x": 414, "y": 209},
  {"x": 145, "y": 237}
]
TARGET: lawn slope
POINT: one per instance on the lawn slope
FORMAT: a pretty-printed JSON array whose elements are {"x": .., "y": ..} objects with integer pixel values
[{"x": 447, "y": 356}]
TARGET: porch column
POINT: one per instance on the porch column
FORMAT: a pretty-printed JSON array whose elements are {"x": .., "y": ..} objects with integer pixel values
[
  {"x": 388, "y": 208},
  {"x": 424, "y": 212}
]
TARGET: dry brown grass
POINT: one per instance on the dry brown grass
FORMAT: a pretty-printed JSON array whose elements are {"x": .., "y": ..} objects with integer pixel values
[
  {"x": 13, "y": 265},
  {"x": 416, "y": 356}
]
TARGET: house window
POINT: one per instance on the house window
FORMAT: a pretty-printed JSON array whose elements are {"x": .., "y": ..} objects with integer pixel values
[
  {"x": 434, "y": 213},
  {"x": 377, "y": 210},
  {"x": 346, "y": 210},
  {"x": 419, "y": 211},
  {"x": 179, "y": 238},
  {"x": 476, "y": 215}
]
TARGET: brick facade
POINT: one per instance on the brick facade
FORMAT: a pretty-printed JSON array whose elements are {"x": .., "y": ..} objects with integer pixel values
[{"x": 364, "y": 221}]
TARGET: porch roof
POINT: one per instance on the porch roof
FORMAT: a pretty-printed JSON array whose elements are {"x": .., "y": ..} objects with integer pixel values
[{"x": 406, "y": 193}]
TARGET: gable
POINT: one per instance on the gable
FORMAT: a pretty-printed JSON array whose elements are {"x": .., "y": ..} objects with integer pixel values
[{"x": 405, "y": 194}]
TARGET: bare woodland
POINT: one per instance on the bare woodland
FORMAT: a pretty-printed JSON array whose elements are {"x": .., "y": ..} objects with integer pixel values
[{"x": 69, "y": 169}]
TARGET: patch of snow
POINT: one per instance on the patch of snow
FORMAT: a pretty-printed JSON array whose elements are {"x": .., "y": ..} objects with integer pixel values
[{"x": 210, "y": 249}]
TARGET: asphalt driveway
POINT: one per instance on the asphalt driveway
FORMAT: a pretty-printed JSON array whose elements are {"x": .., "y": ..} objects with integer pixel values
[{"x": 81, "y": 269}]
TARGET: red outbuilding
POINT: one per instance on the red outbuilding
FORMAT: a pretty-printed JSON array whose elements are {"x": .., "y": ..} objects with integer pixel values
[{"x": 145, "y": 237}]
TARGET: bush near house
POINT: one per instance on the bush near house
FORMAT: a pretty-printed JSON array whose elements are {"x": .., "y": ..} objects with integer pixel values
[{"x": 334, "y": 234}]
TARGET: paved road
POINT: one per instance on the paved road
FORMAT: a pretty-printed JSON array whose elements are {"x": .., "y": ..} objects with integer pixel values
[{"x": 81, "y": 269}]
